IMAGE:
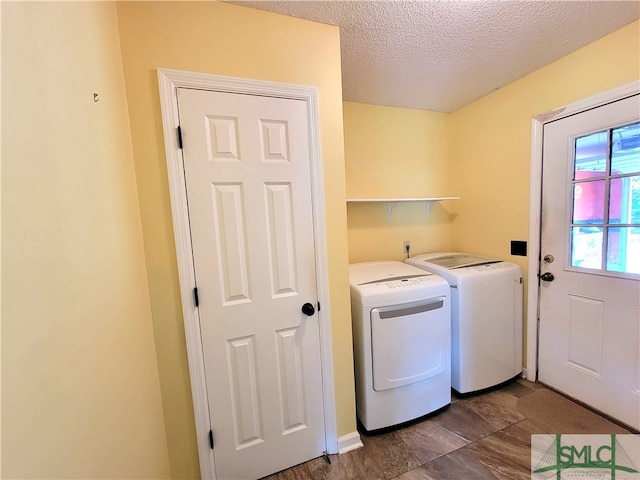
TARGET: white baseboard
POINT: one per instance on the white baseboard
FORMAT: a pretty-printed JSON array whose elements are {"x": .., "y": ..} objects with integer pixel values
[{"x": 349, "y": 442}]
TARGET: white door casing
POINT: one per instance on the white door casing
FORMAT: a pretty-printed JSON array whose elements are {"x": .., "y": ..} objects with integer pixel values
[
  {"x": 243, "y": 343},
  {"x": 248, "y": 187},
  {"x": 535, "y": 199},
  {"x": 588, "y": 323}
]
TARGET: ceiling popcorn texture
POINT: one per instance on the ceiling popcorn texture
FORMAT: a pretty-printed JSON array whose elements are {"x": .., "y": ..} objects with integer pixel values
[{"x": 442, "y": 55}]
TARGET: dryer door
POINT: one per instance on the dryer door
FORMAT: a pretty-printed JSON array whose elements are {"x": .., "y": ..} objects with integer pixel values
[{"x": 410, "y": 342}]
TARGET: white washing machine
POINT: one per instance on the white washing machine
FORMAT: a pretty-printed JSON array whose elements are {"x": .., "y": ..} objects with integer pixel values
[
  {"x": 402, "y": 342},
  {"x": 486, "y": 317}
]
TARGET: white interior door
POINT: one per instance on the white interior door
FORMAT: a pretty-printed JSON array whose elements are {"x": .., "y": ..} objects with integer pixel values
[
  {"x": 590, "y": 247},
  {"x": 249, "y": 198}
]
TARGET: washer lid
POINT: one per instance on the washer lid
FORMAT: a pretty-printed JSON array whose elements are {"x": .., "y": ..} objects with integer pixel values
[{"x": 461, "y": 260}]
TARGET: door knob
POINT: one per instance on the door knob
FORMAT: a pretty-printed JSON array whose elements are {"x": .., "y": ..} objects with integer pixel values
[
  {"x": 308, "y": 309},
  {"x": 547, "y": 277}
]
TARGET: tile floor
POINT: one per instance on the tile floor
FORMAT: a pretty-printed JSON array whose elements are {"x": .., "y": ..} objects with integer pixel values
[{"x": 480, "y": 437}]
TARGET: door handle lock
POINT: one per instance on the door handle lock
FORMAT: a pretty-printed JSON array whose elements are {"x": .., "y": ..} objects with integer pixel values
[
  {"x": 308, "y": 309},
  {"x": 547, "y": 277}
]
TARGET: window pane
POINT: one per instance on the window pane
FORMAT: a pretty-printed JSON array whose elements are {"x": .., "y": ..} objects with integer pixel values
[
  {"x": 624, "y": 204},
  {"x": 623, "y": 250},
  {"x": 590, "y": 155},
  {"x": 625, "y": 149},
  {"x": 586, "y": 247},
  {"x": 588, "y": 202}
]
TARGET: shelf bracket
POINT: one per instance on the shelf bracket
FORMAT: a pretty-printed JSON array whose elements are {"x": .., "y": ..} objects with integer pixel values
[{"x": 428, "y": 205}]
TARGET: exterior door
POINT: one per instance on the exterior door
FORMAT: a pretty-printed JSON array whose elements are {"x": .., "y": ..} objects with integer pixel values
[
  {"x": 249, "y": 199},
  {"x": 590, "y": 267}
]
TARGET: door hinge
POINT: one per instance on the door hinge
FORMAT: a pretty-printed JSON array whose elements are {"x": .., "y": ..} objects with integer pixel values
[
  {"x": 195, "y": 297},
  {"x": 318, "y": 306},
  {"x": 211, "y": 439},
  {"x": 179, "y": 132}
]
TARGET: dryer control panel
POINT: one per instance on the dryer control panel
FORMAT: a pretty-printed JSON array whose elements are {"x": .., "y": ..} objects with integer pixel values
[
  {"x": 386, "y": 282},
  {"x": 405, "y": 282},
  {"x": 399, "y": 289}
]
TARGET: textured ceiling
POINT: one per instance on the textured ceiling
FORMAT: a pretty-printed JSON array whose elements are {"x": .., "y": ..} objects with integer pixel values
[{"x": 442, "y": 55}]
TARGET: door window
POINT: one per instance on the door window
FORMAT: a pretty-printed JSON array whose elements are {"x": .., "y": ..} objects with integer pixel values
[{"x": 605, "y": 216}]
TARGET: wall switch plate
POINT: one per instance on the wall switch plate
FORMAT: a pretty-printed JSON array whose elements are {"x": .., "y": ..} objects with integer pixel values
[{"x": 519, "y": 247}]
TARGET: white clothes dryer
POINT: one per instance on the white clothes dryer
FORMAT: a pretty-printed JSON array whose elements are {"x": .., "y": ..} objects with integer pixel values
[
  {"x": 402, "y": 342},
  {"x": 486, "y": 317}
]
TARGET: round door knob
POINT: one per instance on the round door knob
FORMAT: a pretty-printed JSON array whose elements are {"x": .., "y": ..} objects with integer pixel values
[
  {"x": 308, "y": 309},
  {"x": 547, "y": 277}
]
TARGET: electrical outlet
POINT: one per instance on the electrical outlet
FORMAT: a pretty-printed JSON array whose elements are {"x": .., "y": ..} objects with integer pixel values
[{"x": 406, "y": 246}]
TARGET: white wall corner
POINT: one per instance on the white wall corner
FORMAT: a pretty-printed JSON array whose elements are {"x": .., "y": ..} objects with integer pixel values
[{"x": 349, "y": 442}]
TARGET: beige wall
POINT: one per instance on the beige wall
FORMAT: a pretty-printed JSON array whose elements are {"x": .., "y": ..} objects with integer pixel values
[
  {"x": 80, "y": 385},
  {"x": 481, "y": 153},
  {"x": 83, "y": 302},
  {"x": 491, "y": 140},
  {"x": 223, "y": 39},
  {"x": 396, "y": 153}
]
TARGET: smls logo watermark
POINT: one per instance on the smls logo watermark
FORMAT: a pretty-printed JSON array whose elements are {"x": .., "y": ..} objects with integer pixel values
[{"x": 608, "y": 457}]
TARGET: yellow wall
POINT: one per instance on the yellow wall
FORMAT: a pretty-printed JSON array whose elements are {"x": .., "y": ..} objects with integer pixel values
[
  {"x": 491, "y": 140},
  {"x": 480, "y": 152},
  {"x": 223, "y": 39},
  {"x": 80, "y": 385},
  {"x": 82, "y": 394},
  {"x": 396, "y": 153}
]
